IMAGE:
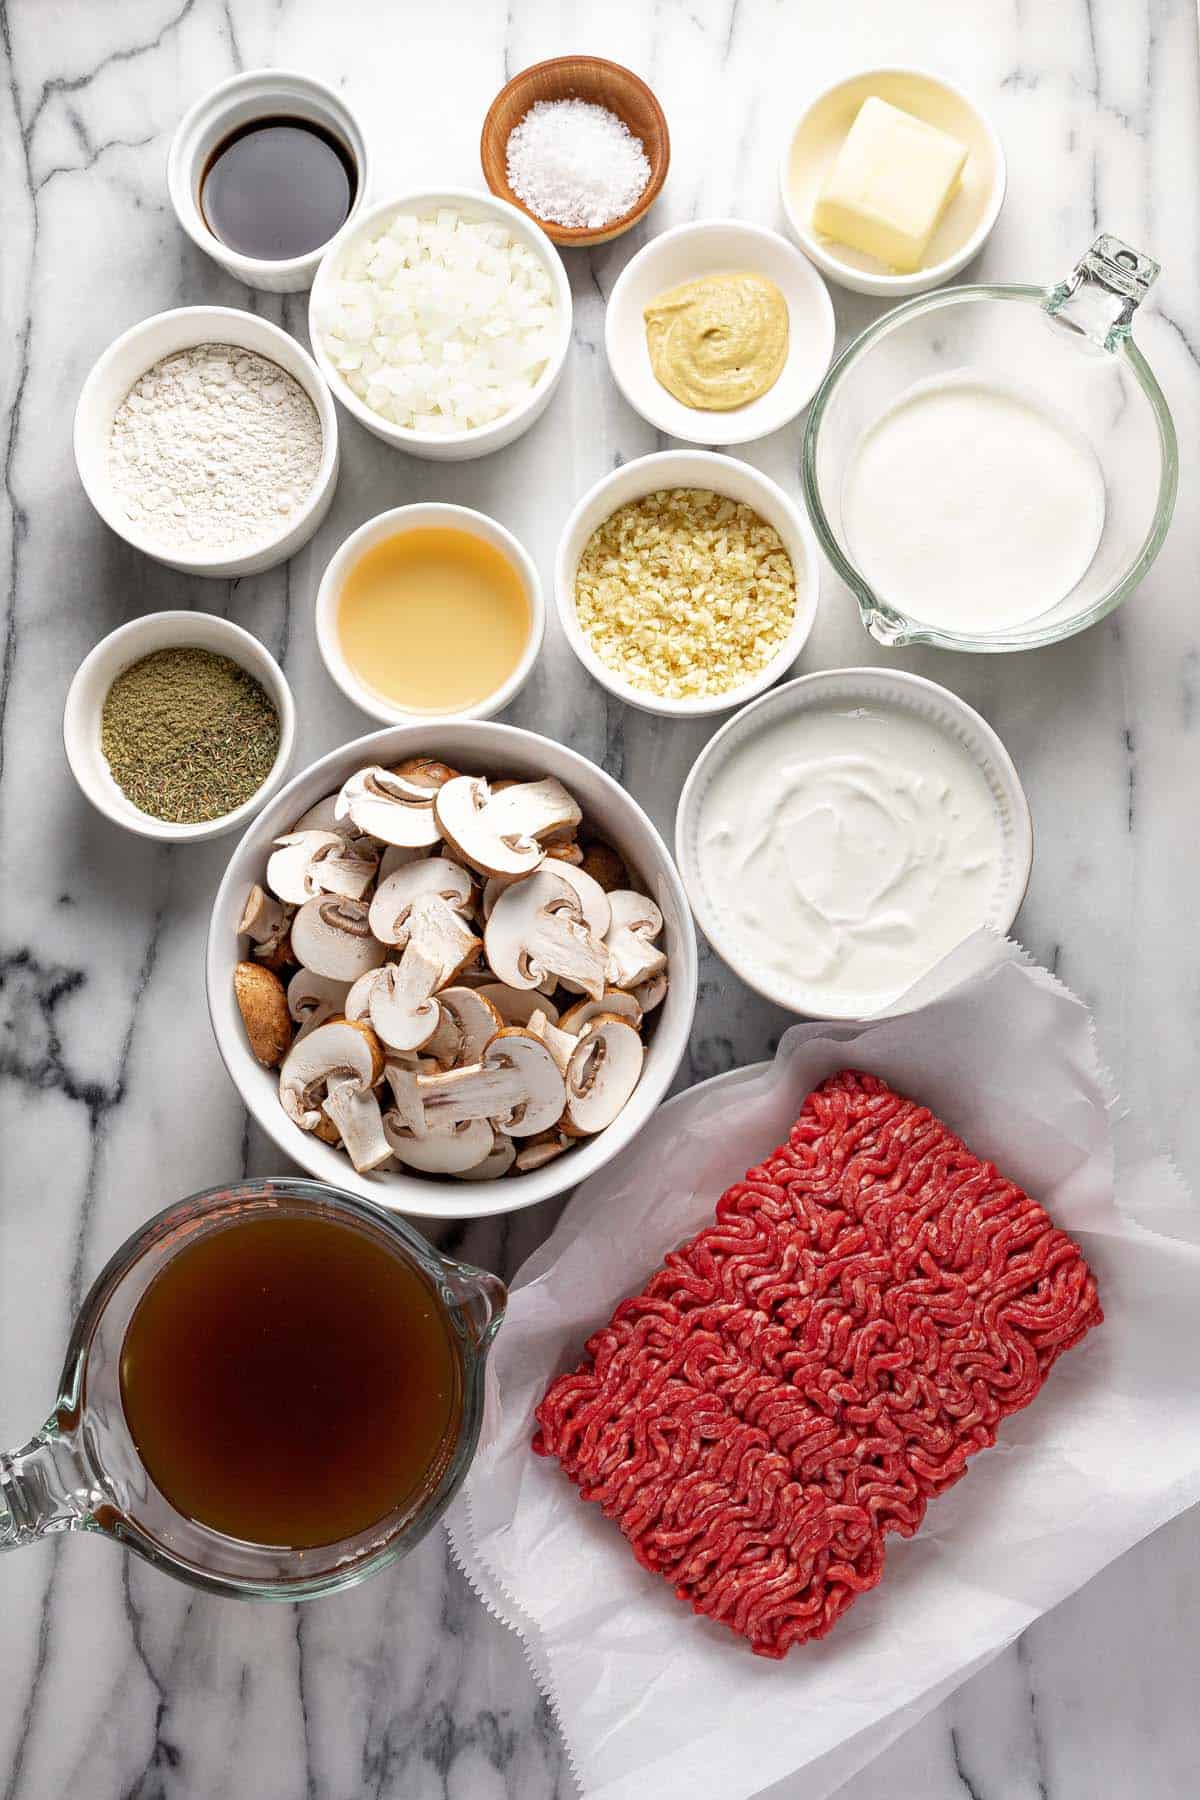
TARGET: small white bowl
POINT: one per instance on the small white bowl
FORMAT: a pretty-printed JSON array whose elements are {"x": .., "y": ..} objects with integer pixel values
[
  {"x": 970, "y": 216},
  {"x": 138, "y": 349},
  {"x": 391, "y": 524},
  {"x": 688, "y": 469},
  {"x": 128, "y": 644},
  {"x": 936, "y": 707},
  {"x": 452, "y": 446},
  {"x": 716, "y": 247},
  {"x": 488, "y": 748},
  {"x": 260, "y": 94}
]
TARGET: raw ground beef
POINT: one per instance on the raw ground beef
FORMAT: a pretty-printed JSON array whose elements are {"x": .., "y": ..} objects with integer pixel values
[{"x": 809, "y": 1371}]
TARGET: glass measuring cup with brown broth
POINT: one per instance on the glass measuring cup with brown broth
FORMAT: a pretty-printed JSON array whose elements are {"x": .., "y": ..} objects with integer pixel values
[{"x": 273, "y": 1390}]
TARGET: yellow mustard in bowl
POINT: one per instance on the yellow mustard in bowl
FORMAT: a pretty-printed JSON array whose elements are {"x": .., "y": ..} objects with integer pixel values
[{"x": 719, "y": 342}]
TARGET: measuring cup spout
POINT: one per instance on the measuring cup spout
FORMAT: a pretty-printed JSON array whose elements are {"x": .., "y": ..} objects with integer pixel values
[{"x": 44, "y": 1488}]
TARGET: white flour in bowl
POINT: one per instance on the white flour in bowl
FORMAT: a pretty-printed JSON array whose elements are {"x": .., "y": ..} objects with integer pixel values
[{"x": 214, "y": 448}]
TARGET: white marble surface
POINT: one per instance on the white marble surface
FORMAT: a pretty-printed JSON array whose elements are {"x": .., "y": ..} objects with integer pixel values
[{"x": 114, "y": 1681}]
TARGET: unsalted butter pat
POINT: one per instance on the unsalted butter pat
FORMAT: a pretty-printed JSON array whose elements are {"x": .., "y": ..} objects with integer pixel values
[{"x": 890, "y": 183}]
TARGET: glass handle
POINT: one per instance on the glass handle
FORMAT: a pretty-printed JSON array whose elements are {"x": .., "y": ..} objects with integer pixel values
[
  {"x": 1103, "y": 291},
  {"x": 481, "y": 1298},
  {"x": 44, "y": 1488}
]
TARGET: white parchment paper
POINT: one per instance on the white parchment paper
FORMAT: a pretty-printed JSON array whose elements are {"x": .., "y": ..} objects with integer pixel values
[{"x": 652, "y": 1699}]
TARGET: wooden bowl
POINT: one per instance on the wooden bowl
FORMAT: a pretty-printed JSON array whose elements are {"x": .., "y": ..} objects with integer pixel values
[{"x": 600, "y": 83}]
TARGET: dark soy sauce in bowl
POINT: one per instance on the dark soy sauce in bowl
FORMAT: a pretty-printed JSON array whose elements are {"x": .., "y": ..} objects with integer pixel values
[
  {"x": 278, "y": 188},
  {"x": 291, "y": 1381}
]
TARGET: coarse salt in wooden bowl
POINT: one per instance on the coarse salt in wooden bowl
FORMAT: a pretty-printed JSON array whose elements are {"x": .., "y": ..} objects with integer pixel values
[{"x": 600, "y": 83}]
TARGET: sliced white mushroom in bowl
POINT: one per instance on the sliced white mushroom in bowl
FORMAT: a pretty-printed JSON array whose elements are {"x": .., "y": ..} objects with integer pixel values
[
  {"x": 332, "y": 936},
  {"x": 445, "y": 1149},
  {"x": 312, "y": 999},
  {"x": 537, "y": 929},
  {"x": 633, "y": 954},
  {"x": 604, "y": 1069},
  {"x": 393, "y": 900},
  {"x": 332, "y": 1073},
  {"x": 389, "y": 807}
]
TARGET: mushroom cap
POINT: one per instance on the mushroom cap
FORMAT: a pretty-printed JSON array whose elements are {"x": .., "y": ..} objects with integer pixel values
[
  {"x": 389, "y": 807},
  {"x": 463, "y": 808},
  {"x": 537, "y": 930},
  {"x": 604, "y": 1069},
  {"x": 633, "y": 956},
  {"x": 264, "y": 1009},
  {"x": 425, "y": 771},
  {"x": 340, "y": 1050},
  {"x": 564, "y": 850},
  {"x": 290, "y": 866},
  {"x": 394, "y": 897},
  {"x": 332, "y": 936},
  {"x": 605, "y": 865},
  {"x": 612, "y": 1000},
  {"x": 445, "y": 1150}
]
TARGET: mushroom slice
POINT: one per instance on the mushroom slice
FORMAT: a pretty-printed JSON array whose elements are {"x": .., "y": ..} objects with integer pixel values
[
  {"x": 343, "y": 1056},
  {"x": 449, "y": 1149},
  {"x": 398, "y": 1000},
  {"x": 612, "y": 1000},
  {"x": 468, "y": 1024},
  {"x": 497, "y": 1162},
  {"x": 332, "y": 937},
  {"x": 566, "y": 850},
  {"x": 394, "y": 897},
  {"x": 398, "y": 856},
  {"x": 355, "y": 1111},
  {"x": 498, "y": 830},
  {"x": 604, "y": 865},
  {"x": 651, "y": 993},
  {"x": 425, "y": 771},
  {"x": 604, "y": 1069},
  {"x": 560, "y": 1044},
  {"x": 290, "y": 865},
  {"x": 537, "y": 930},
  {"x": 264, "y": 1009},
  {"x": 515, "y": 1084},
  {"x": 542, "y": 1149},
  {"x": 264, "y": 921},
  {"x": 389, "y": 807},
  {"x": 633, "y": 956},
  {"x": 313, "y": 998},
  {"x": 347, "y": 867},
  {"x": 516, "y": 1006},
  {"x": 323, "y": 817},
  {"x": 593, "y": 901},
  {"x": 407, "y": 1107}
]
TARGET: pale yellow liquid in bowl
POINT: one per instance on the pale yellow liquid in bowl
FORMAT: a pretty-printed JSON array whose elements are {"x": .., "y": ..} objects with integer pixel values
[{"x": 433, "y": 619}]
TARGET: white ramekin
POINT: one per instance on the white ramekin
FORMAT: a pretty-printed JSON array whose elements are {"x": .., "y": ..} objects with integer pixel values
[
  {"x": 137, "y": 350},
  {"x": 260, "y": 94},
  {"x": 128, "y": 644},
  {"x": 688, "y": 253},
  {"x": 391, "y": 524},
  {"x": 944, "y": 714},
  {"x": 825, "y": 121},
  {"x": 488, "y": 748},
  {"x": 458, "y": 446},
  {"x": 689, "y": 469}
]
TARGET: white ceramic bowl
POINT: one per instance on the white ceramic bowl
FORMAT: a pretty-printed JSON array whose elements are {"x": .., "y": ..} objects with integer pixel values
[
  {"x": 260, "y": 94},
  {"x": 969, "y": 218},
  {"x": 451, "y": 446},
  {"x": 486, "y": 748},
  {"x": 128, "y": 644},
  {"x": 688, "y": 469},
  {"x": 937, "y": 708},
  {"x": 390, "y": 524},
  {"x": 714, "y": 247},
  {"x": 137, "y": 350}
]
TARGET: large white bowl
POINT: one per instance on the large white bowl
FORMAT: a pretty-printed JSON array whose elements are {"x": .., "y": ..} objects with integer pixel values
[
  {"x": 451, "y": 446},
  {"x": 688, "y": 469},
  {"x": 716, "y": 247},
  {"x": 138, "y": 349},
  {"x": 414, "y": 518},
  {"x": 477, "y": 747},
  {"x": 937, "y": 708}
]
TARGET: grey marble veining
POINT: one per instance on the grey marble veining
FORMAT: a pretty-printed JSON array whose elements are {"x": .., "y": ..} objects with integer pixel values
[{"x": 114, "y": 1681}]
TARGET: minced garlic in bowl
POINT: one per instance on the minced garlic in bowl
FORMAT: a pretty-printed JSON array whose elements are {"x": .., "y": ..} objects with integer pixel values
[{"x": 685, "y": 593}]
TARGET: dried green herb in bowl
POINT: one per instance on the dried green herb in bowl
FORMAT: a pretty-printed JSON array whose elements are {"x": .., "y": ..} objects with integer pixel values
[{"x": 189, "y": 735}]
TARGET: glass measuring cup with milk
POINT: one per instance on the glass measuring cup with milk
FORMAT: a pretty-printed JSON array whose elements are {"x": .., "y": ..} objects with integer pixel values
[{"x": 994, "y": 468}]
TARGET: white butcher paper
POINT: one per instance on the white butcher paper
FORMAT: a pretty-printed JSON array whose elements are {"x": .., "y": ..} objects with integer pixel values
[{"x": 652, "y": 1699}]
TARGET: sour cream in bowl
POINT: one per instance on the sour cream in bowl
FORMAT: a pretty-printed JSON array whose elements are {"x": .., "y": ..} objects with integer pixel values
[{"x": 845, "y": 832}]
